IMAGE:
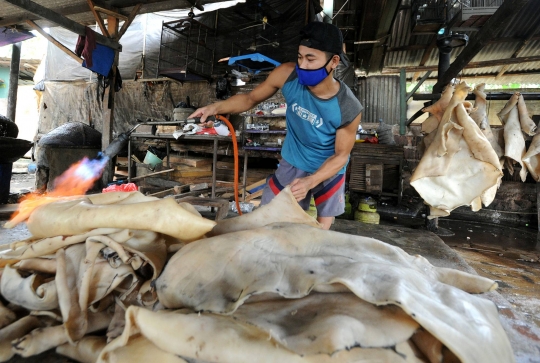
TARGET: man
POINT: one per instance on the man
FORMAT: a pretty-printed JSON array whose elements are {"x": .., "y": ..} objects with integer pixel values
[{"x": 322, "y": 119}]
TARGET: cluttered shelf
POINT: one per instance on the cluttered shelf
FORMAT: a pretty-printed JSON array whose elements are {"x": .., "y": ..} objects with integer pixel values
[
  {"x": 283, "y": 132},
  {"x": 264, "y": 148},
  {"x": 262, "y": 115},
  {"x": 170, "y": 137},
  {"x": 186, "y": 137}
]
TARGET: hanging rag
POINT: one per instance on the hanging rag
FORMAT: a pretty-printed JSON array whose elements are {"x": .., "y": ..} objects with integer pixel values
[
  {"x": 104, "y": 82},
  {"x": 86, "y": 45}
]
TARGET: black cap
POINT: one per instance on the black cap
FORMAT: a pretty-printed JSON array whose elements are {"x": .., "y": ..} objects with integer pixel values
[{"x": 323, "y": 36}]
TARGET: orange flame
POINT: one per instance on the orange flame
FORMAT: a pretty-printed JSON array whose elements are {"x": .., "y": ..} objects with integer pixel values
[{"x": 75, "y": 181}]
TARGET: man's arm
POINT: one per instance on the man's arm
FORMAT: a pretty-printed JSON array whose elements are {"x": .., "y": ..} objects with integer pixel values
[
  {"x": 345, "y": 138},
  {"x": 243, "y": 102}
]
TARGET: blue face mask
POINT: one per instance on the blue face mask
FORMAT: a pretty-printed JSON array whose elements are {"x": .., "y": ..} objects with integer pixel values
[{"x": 312, "y": 77}]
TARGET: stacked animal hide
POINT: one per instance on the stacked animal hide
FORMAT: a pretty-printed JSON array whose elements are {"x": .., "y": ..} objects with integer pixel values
[
  {"x": 460, "y": 166},
  {"x": 261, "y": 289},
  {"x": 442, "y": 175},
  {"x": 515, "y": 119}
]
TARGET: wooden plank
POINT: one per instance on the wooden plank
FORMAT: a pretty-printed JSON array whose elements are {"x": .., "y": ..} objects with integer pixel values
[
  {"x": 163, "y": 193},
  {"x": 63, "y": 21},
  {"x": 256, "y": 202},
  {"x": 198, "y": 186},
  {"x": 190, "y": 174},
  {"x": 257, "y": 185},
  {"x": 184, "y": 167},
  {"x": 98, "y": 18},
  {"x": 152, "y": 174},
  {"x": 191, "y": 161},
  {"x": 114, "y": 14},
  {"x": 159, "y": 182},
  {"x": 254, "y": 195},
  {"x": 47, "y": 36},
  {"x": 228, "y": 165}
]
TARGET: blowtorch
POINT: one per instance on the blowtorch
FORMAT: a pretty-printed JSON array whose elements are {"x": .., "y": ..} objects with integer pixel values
[{"x": 118, "y": 144}]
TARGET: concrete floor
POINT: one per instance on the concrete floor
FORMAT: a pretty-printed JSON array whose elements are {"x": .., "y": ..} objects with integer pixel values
[
  {"x": 520, "y": 326},
  {"x": 485, "y": 251}
]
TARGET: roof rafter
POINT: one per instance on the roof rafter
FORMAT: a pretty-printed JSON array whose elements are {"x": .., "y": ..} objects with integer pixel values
[
  {"x": 504, "y": 15},
  {"x": 61, "y": 20},
  {"x": 482, "y": 64}
]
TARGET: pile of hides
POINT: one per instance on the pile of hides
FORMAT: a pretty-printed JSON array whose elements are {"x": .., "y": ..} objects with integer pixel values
[
  {"x": 463, "y": 161},
  {"x": 269, "y": 286}
]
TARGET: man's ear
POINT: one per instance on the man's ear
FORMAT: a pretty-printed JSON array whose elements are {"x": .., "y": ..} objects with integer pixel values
[{"x": 335, "y": 61}]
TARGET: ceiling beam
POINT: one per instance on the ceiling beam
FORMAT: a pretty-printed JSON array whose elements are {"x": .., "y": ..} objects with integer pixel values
[
  {"x": 127, "y": 23},
  {"x": 388, "y": 13},
  {"x": 504, "y": 15},
  {"x": 482, "y": 64},
  {"x": 149, "y": 6},
  {"x": 47, "y": 36},
  {"x": 61, "y": 20},
  {"x": 98, "y": 18},
  {"x": 114, "y": 14}
]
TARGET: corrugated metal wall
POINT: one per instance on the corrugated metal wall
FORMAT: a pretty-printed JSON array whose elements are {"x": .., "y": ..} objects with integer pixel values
[{"x": 380, "y": 97}]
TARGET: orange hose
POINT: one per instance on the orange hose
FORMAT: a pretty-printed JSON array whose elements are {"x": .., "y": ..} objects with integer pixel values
[{"x": 235, "y": 152}]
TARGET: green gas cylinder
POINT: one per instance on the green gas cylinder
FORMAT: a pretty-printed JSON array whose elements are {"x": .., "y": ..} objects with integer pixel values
[
  {"x": 367, "y": 211},
  {"x": 368, "y": 205}
]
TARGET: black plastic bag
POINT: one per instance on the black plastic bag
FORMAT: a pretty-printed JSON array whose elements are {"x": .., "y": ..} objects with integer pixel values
[{"x": 223, "y": 88}]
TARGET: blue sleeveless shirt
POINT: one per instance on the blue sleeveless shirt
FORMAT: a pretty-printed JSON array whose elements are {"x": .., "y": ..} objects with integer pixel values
[{"x": 312, "y": 123}]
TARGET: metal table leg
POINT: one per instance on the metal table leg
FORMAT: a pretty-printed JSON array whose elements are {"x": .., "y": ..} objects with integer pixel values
[
  {"x": 129, "y": 160},
  {"x": 168, "y": 153},
  {"x": 244, "y": 177},
  {"x": 214, "y": 166}
]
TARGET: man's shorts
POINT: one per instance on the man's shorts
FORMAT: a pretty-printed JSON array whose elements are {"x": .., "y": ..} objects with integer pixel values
[{"x": 329, "y": 195}]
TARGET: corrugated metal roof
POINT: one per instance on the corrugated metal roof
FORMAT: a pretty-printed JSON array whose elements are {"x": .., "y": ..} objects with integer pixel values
[
  {"x": 507, "y": 40},
  {"x": 79, "y": 11}
]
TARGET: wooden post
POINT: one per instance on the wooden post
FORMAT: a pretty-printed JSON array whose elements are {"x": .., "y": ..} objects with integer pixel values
[
  {"x": 108, "y": 106},
  {"x": 13, "y": 80}
]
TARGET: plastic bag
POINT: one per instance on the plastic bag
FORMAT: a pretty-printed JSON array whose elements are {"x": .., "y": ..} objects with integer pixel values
[
  {"x": 129, "y": 187},
  {"x": 244, "y": 207}
]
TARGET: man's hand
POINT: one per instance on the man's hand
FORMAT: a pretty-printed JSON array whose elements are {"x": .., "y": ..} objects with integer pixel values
[
  {"x": 300, "y": 187},
  {"x": 204, "y": 112}
]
